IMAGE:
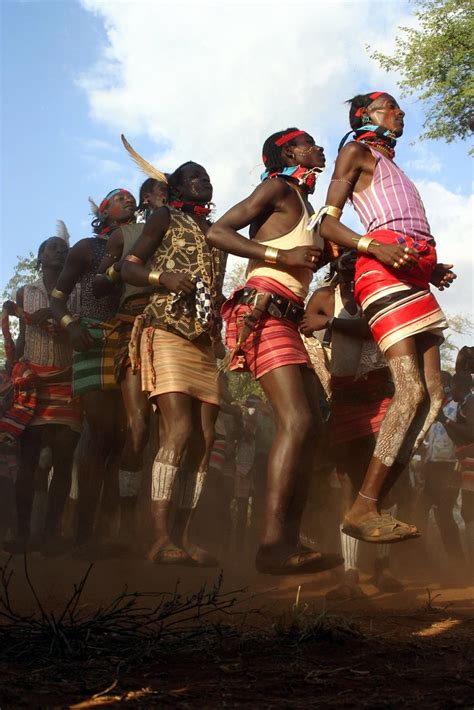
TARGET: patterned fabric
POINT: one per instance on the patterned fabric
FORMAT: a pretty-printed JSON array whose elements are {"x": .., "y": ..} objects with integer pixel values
[
  {"x": 19, "y": 415},
  {"x": 358, "y": 406},
  {"x": 218, "y": 453},
  {"x": 319, "y": 361},
  {"x": 275, "y": 342},
  {"x": 171, "y": 363},
  {"x": 184, "y": 249},
  {"x": 391, "y": 202},
  {"x": 398, "y": 303},
  {"x": 129, "y": 310},
  {"x": 49, "y": 349},
  {"x": 55, "y": 404},
  {"x": 93, "y": 369},
  {"x": 102, "y": 309}
]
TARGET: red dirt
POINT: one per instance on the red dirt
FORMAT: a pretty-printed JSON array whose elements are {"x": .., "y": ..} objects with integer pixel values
[{"x": 409, "y": 653}]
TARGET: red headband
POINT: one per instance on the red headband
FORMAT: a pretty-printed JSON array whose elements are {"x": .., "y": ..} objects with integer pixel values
[
  {"x": 374, "y": 95},
  {"x": 105, "y": 201},
  {"x": 289, "y": 137}
]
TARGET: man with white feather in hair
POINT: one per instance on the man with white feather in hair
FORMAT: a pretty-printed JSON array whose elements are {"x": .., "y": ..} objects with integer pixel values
[
  {"x": 93, "y": 337},
  {"x": 133, "y": 300},
  {"x": 56, "y": 420}
]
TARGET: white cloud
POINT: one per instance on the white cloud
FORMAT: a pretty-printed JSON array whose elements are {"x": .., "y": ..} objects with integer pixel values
[
  {"x": 209, "y": 81},
  {"x": 424, "y": 160},
  {"x": 93, "y": 145},
  {"x": 451, "y": 219}
]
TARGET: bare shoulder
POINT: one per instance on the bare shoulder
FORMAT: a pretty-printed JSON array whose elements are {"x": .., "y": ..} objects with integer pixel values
[
  {"x": 82, "y": 248},
  {"x": 354, "y": 152},
  {"x": 274, "y": 188},
  {"x": 159, "y": 219}
]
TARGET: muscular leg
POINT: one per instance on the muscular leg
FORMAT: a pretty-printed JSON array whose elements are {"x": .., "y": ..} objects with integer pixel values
[
  {"x": 109, "y": 511},
  {"x": 137, "y": 410},
  {"x": 191, "y": 479},
  {"x": 176, "y": 428},
  {"x": 311, "y": 452},
  {"x": 409, "y": 395},
  {"x": 40, "y": 499},
  {"x": 285, "y": 389},
  {"x": 99, "y": 437},
  {"x": 63, "y": 444},
  {"x": 430, "y": 371},
  {"x": 30, "y": 448},
  {"x": 444, "y": 497}
]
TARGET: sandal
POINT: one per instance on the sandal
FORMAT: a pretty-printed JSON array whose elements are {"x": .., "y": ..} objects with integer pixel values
[
  {"x": 380, "y": 529},
  {"x": 172, "y": 556}
]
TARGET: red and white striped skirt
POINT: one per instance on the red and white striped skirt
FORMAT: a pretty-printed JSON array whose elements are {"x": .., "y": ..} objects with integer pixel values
[{"x": 398, "y": 303}]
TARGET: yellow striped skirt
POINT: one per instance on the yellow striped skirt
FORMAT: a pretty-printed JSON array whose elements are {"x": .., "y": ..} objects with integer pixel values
[{"x": 171, "y": 363}]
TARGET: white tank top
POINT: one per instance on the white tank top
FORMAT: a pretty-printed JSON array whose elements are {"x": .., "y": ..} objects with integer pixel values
[{"x": 297, "y": 279}]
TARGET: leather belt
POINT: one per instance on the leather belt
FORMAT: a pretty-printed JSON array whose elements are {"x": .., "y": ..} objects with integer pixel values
[{"x": 278, "y": 306}]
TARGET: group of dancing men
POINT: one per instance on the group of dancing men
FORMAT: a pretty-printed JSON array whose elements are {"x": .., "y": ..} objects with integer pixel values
[{"x": 130, "y": 322}]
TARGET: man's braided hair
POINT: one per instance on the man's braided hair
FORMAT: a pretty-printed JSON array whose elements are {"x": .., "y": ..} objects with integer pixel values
[{"x": 272, "y": 154}]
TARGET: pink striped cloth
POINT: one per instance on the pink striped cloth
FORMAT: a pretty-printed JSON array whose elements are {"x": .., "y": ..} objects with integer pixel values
[
  {"x": 275, "y": 342},
  {"x": 391, "y": 202}
]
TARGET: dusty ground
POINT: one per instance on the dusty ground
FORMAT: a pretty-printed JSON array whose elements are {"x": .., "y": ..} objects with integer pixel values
[{"x": 412, "y": 649}]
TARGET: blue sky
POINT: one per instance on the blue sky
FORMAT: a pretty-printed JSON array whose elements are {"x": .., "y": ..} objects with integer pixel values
[{"x": 195, "y": 81}]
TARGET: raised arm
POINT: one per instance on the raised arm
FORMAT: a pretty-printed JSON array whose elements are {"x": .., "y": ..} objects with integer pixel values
[
  {"x": 264, "y": 200},
  {"x": 134, "y": 269},
  {"x": 108, "y": 274},
  {"x": 76, "y": 263}
]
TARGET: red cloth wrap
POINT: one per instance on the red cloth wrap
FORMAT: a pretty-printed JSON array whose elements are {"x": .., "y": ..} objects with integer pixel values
[
  {"x": 275, "y": 342},
  {"x": 373, "y": 281},
  {"x": 418, "y": 275},
  {"x": 363, "y": 415}
]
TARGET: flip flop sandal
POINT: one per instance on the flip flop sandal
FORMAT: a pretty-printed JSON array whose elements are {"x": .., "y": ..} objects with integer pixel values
[
  {"x": 301, "y": 563},
  {"x": 380, "y": 529}
]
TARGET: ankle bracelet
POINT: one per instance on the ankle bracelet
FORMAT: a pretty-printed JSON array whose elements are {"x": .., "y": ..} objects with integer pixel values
[{"x": 367, "y": 497}]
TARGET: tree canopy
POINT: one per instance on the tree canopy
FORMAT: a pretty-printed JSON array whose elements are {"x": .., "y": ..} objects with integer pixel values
[{"x": 435, "y": 60}]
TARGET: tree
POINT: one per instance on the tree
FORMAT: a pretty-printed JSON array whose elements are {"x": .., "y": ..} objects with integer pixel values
[
  {"x": 460, "y": 325},
  {"x": 435, "y": 61},
  {"x": 25, "y": 272}
]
